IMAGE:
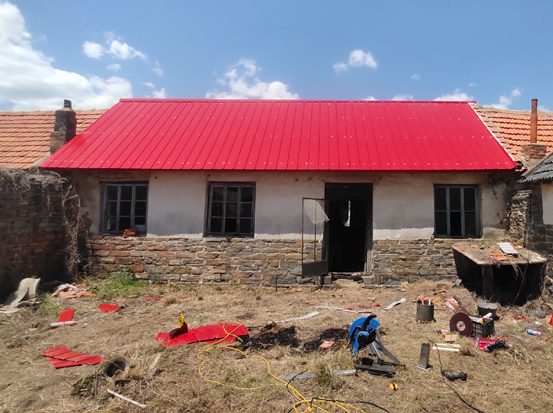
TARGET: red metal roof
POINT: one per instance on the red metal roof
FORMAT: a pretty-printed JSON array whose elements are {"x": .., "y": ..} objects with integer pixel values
[{"x": 285, "y": 135}]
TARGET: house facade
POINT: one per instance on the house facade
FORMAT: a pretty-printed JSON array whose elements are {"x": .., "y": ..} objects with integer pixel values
[{"x": 222, "y": 190}]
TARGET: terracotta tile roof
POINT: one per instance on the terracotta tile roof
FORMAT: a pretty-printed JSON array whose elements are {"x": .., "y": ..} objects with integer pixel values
[
  {"x": 512, "y": 128},
  {"x": 25, "y": 136}
]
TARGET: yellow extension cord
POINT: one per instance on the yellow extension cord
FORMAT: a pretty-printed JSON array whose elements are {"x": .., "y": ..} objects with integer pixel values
[{"x": 301, "y": 399}]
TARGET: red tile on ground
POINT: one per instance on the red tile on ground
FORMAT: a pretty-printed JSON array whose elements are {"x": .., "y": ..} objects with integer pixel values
[{"x": 109, "y": 307}]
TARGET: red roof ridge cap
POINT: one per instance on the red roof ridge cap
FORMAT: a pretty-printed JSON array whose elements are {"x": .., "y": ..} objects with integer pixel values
[{"x": 405, "y": 102}]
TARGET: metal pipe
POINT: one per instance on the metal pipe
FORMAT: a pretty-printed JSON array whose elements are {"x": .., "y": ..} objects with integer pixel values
[{"x": 534, "y": 122}]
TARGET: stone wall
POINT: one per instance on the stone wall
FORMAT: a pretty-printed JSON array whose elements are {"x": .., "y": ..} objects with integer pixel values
[
  {"x": 245, "y": 260},
  {"x": 33, "y": 230},
  {"x": 238, "y": 260},
  {"x": 410, "y": 260},
  {"x": 519, "y": 216}
]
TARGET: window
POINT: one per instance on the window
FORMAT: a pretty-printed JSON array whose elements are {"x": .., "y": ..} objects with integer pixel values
[
  {"x": 456, "y": 211},
  {"x": 124, "y": 207},
  {"x": 231, "y": 209}
]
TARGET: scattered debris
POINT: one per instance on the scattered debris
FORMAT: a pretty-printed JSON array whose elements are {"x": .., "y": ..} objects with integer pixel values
[
  {"x": 507, "y": 248},
  {"x": 313, "y": 314},
  {"x": 393, "y": 387},
  {"x": 116, "y": 367},
  {"x": 65, "y": 318},
  {"x": 537, "y": 313},
  {"x": 395, "y": 303},
  {"x": 26, "y": 292},
  {"x": 131, "y": 232},
  {"x": 351, "y": 310},
  {"x": 183, "y": 328},
  {"x": 327, "y": 344},
  {"x": 219, "y": 333},
  {"x": 533, "y": 332},
  {"x": 68, "y": 291},
  {"x": 491, "y": 344},
  {"x": 125, "y": 398},
  {"x": 452, "y": 377},
  {"x": 109, "y": 307},
  {"x": 62, "y": 357},
  {"x": 447, "y": 347},
  {"x": 153, "y": 298}
]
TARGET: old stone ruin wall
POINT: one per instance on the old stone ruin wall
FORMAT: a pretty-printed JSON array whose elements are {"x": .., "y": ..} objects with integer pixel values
[
  {"x": 39, "y": 227},
  {"x": 526, "y": 227}
]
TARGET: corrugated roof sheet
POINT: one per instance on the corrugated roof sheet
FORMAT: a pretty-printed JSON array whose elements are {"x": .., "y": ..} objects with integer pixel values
[
  {"x": 512, "y": 128},
  {"x": 25, "y": 136},
  {"x": 285, "y": 135},
  {"x": 542, "y": 171}
]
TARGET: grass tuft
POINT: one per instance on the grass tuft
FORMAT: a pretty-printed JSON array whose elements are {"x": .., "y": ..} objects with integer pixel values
[{"x": 121, "y": 284}]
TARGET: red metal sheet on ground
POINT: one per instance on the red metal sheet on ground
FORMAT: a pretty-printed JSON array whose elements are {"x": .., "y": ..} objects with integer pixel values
[
  {"x": 109, "y": 307},
  {"x": 208, "y": 334},
  {"x": 61, "y": 357},
  {"x": 66, "y": 315},
  {"x": 210, "y": 134}
]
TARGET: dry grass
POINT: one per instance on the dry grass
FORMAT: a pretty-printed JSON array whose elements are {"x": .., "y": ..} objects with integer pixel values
[{"x": 167, "y": 379}]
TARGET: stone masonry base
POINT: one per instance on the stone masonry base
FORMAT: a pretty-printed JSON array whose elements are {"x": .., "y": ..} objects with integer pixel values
[
  {"x": 410, "y": 260},
  {"x": 246, "y": 260}
]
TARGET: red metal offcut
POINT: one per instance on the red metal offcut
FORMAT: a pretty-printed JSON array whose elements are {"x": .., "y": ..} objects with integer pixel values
[{"x": 166, "y": 134}]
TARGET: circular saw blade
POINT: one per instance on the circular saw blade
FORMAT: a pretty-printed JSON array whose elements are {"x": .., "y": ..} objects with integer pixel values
[{"x": 462, "y": 323}]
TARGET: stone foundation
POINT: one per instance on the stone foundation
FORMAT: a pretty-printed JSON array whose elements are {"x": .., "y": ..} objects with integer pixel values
[
  {"x": 245, "y": 260},
  {"x": 411, "y": 260},
  {"x": 238, "y": 260}
]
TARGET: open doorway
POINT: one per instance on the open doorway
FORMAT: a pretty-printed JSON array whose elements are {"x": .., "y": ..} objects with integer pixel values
[{"x": 349, "y": 236}]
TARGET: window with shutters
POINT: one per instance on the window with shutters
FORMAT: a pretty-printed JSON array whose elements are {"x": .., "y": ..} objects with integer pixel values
[
  {"x": 231, "y": 209},
  {"x": 456, "y": 212},
  {"x": 125, "y": 206}
]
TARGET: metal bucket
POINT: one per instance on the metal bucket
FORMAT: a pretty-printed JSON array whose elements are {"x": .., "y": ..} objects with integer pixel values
[
  {"x": 425, "y": 311},
  {"x": 485, "y": 308}
]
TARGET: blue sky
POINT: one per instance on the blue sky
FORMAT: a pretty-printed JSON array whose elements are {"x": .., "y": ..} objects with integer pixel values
[{"x": 497, "y": 52}]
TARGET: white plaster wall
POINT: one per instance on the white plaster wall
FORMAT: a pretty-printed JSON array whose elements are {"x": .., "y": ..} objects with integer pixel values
[
  {"x": 403, "y": 203},
  {"x": 547, "y": 199}
]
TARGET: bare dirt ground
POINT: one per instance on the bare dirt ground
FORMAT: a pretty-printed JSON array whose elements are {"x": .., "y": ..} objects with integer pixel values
[{"x": 166, "y": 379}]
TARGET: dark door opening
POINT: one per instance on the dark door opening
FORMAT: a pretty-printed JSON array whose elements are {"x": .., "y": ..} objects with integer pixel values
[{"x": 349, "y": 227}]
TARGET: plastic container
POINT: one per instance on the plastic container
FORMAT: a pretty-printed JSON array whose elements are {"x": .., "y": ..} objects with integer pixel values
[
  {"x": 482, "y": 330},
  {"x": 533, "y": 332}
]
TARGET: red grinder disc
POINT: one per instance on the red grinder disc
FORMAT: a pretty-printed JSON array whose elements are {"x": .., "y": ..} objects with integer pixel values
[{"x": 462, "y": 323}]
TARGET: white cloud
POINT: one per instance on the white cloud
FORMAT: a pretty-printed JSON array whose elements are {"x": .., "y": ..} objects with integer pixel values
[
  {"x": 160, "y": 94},
  {"x": 543, "y": 108},
  {"x": 370, "y": 98},
  {"x": 457, "y": 95},
  {"x": 403, "y": 97},
  {"x": 114, "y": 67},
  {"x": 472, "y": 84},
  {"x": 357, "y": 58},
  {"x": 93, "y": 50},
  {"x": 149, "y": 84},
  {"x": 157, "y": 69},
  {"x": 416, "y": 76},
  {"x": 340, "y": 67},
  {"x": 114, "y": 48},
  {"x": 29, "y": 81},
  {"x": 506, "y": 101},
  {"x": 242, "y": 83},
  {"x": 124, "y": 51}
]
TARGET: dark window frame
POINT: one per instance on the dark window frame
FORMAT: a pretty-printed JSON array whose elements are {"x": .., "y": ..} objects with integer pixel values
[
  {"x": 461, "y": 210},
  {"x": 209, "y": 230},
  {"x": 142, "y": 228}
]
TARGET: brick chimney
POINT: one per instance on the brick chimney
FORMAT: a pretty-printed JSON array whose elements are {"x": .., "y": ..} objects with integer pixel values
[
  {"x": 65, "y": 127},
  {"x": 533, "y": 152}
]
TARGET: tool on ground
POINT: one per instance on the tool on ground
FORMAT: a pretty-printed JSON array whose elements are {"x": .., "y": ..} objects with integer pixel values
[
  {"x": 452, "y": 377},
  {"x": 462, "y": 323},
  {"x": 425, "y": 357},
  {"x": 490, "y": 344},
  {"x": 363, "y": 334},
  {"x": 183, "y": 328}
]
